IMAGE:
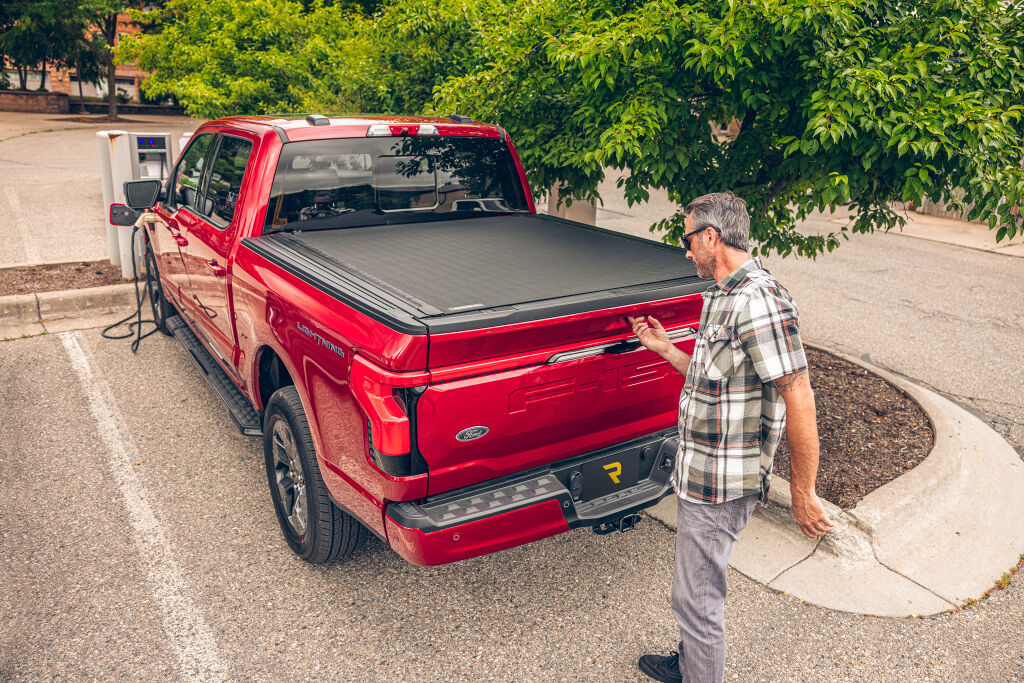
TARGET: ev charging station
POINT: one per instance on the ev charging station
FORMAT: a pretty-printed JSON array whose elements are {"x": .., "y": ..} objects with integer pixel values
[{"x": 129, "y": 156}]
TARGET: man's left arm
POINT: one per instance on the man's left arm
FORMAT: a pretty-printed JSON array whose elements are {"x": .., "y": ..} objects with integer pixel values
[
  {"x": 802, "y": 434},
  {"x": 768, "y": 327}
]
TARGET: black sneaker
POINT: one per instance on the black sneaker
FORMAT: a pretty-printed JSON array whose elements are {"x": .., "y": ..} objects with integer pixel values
[{"x": 661, "y": 667}]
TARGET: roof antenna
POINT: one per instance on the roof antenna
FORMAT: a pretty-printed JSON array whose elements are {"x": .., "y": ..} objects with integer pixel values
[{"x": 318, "y": 120}]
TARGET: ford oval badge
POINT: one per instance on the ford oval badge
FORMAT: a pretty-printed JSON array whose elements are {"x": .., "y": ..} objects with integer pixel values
[{"x": 470, "y": 433}]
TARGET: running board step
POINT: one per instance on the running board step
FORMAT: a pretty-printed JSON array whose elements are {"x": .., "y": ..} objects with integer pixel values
[{"x": 239, "y": 406}]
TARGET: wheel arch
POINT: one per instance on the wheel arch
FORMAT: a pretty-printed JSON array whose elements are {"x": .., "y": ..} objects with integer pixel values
[{"x": 272, "y": 373}]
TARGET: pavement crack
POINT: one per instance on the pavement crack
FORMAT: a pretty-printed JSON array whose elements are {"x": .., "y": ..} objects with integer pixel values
[
  {"x": 874, "y": 553},
  {"x": 795, "y": 564},
  {"x": 36, "y": 132}
]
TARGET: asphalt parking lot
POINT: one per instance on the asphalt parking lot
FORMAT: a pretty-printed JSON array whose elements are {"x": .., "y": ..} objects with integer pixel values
[
  {"x": 138, "y": 539},
  {"x": 140, "y": 543}
]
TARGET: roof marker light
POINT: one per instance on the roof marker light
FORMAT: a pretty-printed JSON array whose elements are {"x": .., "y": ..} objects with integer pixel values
[{"x": 386, "y": 129}]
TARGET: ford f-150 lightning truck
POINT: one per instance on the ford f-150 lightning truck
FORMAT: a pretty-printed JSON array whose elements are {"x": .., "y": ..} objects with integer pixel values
[{"x": 425, "y": 356}]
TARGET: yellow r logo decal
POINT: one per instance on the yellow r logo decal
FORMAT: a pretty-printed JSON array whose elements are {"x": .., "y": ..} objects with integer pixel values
[{"x": 614, "y": 470}]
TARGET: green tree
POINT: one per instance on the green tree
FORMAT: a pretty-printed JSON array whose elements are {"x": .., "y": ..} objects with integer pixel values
[
  {"x": 862, "y": 102},
  {"x": 98, "y": 22},
  {"x": 250, "y": 56},
  {"x": 263, "y": 56},
  {"x": 34, "y": 35}
]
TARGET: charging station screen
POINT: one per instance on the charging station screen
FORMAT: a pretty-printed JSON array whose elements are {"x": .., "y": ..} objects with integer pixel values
[{"x": 151, "y": 143}]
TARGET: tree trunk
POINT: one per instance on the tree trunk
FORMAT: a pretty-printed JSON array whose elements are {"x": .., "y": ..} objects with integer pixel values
[
  {"x": 78, "y": 73},
  {"x": 42, "y": 76},
  {"x": 110, "y": 34},
  {"x": 111, "y": 87},
  {"x": 23, "y": 76}
]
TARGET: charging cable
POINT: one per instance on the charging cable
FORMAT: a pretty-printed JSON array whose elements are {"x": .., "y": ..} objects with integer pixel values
[{"x": 135, "y": 326}]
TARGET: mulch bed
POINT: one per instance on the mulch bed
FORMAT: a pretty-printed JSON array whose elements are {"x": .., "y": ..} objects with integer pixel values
[
  {"x": 55, "y": 277},
  {"x": 870, "y": 431}
]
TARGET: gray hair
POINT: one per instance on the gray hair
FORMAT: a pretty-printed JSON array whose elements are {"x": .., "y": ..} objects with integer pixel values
[{"x": 725, "y": 211}]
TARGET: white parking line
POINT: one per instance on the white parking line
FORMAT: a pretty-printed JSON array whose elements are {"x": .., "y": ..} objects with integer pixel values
[
  {"x": 197, "y": 651},
  {"x": 17, "y": 216}
]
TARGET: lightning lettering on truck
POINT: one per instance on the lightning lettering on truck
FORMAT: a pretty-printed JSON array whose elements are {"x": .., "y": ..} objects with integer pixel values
[{"x": 318, "y": 339}]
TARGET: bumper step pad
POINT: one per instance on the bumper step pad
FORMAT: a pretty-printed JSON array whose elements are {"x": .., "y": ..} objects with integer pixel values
[
  {"x": 481, "y": 503},
  {"x": 240, "y": 407}
]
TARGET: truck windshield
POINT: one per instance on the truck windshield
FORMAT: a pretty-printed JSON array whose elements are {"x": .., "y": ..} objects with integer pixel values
[{"x": 324, "y": 184}]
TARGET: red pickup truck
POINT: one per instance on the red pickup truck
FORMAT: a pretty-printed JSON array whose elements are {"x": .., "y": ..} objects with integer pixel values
[{"x": 423, "y": 354}]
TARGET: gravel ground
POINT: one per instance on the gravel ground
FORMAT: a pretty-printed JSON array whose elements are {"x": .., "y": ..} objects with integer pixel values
[{"x": 79, "y": 602}]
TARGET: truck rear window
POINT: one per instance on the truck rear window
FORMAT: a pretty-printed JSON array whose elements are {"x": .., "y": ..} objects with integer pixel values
[{"x": 324, "y": 184}]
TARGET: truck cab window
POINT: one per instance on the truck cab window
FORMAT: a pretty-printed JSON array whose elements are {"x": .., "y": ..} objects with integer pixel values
[
  {"x": 185, "y": 182},
  {"x": 226, "y": 179},
  {"x": 347, "y": 183}
]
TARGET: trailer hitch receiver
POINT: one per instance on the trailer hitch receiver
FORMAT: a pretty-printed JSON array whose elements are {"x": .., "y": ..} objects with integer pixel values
[{"x": 622, "y": 524}]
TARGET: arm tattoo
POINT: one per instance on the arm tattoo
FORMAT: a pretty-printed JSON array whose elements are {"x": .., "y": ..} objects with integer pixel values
[{"x": 787, "y": 382}]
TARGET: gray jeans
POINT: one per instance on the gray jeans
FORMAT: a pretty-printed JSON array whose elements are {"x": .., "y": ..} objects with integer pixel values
[{"x": 705, "y": 536}]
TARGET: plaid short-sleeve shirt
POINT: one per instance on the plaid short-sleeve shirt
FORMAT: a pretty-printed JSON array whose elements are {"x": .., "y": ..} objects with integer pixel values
[{"x": 731, "y": 416}]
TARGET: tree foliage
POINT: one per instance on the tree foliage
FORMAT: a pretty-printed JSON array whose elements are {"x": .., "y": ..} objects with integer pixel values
[
  {"x": 63, "y": 33},
  {"x": 260, "y": 56},
  {"x": 866, "y": 103},
  {"x": 253, "y": 56},
  {"x": 35, "y": 35}
]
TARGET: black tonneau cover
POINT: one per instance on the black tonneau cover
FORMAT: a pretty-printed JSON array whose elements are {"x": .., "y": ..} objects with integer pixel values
[{"x": 444, "y": 276}]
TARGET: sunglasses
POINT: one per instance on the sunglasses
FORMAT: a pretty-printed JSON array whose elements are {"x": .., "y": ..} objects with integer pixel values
[{"x": 686, "y": 238}]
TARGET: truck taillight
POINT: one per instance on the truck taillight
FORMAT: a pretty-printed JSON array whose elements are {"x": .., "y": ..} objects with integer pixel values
[
  {"x": 388, "y": 401},
  {"x": 386, "y": 129}
]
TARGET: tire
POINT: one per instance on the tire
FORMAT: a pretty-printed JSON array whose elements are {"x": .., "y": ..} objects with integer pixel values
[
  {"x": 314, "y": 527},
  {"x": 158, "y": 303}
]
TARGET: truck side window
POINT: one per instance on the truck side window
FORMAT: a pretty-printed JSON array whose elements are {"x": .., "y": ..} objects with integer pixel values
[
  {"x": 226, "y": 179},
  {"x": 185, "y": 187}
]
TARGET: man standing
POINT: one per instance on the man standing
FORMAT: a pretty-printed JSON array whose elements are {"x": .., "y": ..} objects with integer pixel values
[{"x": 747, "y": 374}]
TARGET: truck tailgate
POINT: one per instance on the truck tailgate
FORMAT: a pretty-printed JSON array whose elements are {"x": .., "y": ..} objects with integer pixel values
[{"x": 539, "y": 404}]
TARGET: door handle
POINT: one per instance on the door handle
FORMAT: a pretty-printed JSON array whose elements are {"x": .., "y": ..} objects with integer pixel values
[
  {"x": 624, "y": 346},
  {"x": 217, "y": 269},
  {"x": 181, "y": 241}
]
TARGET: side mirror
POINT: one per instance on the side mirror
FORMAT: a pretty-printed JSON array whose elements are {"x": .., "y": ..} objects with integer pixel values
[
  {"x": 122, "y": 215},
  {"x": 142, "y": 194}
]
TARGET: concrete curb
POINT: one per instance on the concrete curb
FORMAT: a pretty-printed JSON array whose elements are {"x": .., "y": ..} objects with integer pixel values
[
  {"x": 935, "y": 538},
  {"x": 28, "y": 314}
]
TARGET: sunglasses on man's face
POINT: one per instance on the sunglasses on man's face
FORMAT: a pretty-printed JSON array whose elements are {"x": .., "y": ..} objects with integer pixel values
[{"x": 689, "y": 236}]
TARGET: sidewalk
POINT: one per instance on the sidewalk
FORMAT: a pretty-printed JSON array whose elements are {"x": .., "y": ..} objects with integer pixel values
[{"x": 959, "y": 233}]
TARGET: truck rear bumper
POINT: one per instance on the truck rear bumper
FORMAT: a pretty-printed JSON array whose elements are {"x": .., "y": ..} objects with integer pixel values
[{"x": 529, "y": 506}]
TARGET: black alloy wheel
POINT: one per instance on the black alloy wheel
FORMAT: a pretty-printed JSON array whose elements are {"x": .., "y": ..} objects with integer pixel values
[
  {"x": 158, "y": 303},
  {"x": 314, "y": 527}
]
